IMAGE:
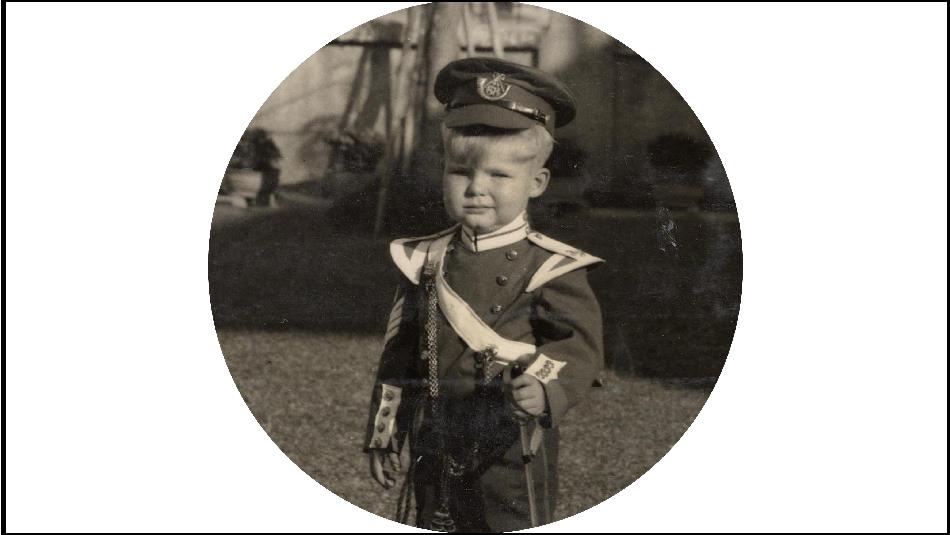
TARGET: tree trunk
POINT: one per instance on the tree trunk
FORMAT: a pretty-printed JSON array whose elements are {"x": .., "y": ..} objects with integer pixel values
[{"x": 418, "y": 205}]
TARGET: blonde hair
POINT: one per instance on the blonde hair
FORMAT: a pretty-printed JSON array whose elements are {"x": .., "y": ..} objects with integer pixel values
[{"x": 471, "y": 141}]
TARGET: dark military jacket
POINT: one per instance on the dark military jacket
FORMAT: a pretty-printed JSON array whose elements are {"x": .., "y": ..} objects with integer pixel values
[{"x": 525, "y": 286}]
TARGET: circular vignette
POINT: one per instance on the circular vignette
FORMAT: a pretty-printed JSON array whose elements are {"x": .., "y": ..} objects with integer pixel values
[{"x": 345, "y": 156}]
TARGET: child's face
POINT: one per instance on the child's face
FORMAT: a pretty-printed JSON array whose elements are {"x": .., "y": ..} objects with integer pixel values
[{"x": 488, "y": 189}]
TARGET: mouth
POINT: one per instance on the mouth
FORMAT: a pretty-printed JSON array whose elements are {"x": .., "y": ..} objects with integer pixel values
[{"x": 476, "y": 209}]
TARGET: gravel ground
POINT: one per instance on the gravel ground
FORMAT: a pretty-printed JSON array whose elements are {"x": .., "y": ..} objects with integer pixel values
[{"x": 309, "y": 391}]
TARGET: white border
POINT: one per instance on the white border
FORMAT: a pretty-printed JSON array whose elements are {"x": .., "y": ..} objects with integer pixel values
[{"x": 831, "y": 413}]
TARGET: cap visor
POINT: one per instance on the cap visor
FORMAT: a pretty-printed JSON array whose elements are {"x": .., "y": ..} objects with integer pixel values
[{"x": 488, "y": 115}]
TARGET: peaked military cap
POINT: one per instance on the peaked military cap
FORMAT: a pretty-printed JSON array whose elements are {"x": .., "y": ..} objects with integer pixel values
[{"x": 494, "y": 92}]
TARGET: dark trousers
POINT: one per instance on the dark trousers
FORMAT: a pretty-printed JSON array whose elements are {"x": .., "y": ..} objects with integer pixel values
[{"x": 494, "y": 497}]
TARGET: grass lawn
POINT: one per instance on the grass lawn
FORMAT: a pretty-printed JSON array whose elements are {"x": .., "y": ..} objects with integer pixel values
[{"x": 310, "y": 390}]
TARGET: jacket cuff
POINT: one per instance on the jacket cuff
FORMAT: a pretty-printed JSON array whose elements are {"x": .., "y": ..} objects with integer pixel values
[
  {"x": 384, "y": 426},
  {"x": 558, "y": 404},
  {"x": 545, "y": 369}
]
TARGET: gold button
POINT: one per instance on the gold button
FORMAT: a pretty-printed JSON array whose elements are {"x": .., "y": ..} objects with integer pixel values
[
  {"x": 388, "y": 396},
  {"x": 511, "y": 255},
  {"x": 378, "y": 443},
  {"x": 381, "y": 427},
  {"x": 495, "y": 309},
  {"x": 385, "y": 411},
  {"x": 501, "y": 280}
]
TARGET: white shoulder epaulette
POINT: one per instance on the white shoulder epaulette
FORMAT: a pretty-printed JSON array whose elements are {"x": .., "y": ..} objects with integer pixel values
[
  {"x": 409, "y": 254},
  {"x": 564, "y": 260}
]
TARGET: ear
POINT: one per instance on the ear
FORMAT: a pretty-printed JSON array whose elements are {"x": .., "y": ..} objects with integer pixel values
[{"x": 539, "y": 182}]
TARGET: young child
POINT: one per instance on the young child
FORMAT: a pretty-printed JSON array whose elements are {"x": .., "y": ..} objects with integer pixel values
[{"x": 494, "y": 333}]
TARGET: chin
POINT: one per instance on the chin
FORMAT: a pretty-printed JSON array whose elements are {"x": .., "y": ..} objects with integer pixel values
[{"x": 480, "y": 224}]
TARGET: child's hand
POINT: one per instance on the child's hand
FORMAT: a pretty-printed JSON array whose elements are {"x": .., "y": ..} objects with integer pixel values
[
  {"x": 528, "y": 395},
  {"x": 384, "y": 466}
]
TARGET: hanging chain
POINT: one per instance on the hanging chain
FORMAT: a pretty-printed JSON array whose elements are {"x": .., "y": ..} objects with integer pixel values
[
  {"x": 430, "y": 352},
  {"x": 442, "y": 517}
]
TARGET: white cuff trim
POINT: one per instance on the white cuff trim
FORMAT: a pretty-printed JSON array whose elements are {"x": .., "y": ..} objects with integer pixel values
[
  {"x": 384, "y": 427},
  {"x": 545, "y": 369}
]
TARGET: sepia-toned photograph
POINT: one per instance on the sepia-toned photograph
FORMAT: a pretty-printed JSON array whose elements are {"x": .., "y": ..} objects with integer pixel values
[{"x": 475, "y": 266}]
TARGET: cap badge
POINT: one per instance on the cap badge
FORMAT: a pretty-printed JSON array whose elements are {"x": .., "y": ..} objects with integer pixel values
[{"x": 494, "y": 88}]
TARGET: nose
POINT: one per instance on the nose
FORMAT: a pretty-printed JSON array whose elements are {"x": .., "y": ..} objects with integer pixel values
[{"x": 477, "y": 185}]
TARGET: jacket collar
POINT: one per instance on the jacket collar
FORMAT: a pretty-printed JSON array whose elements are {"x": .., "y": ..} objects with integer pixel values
[{"x": 513, "y": 232}]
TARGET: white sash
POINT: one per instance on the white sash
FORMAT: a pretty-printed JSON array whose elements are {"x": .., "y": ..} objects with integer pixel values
[{"x": 466, "y": 323}]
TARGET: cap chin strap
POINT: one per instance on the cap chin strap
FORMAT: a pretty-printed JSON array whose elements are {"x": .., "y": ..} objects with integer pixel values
[{"x": 531, "y": 113}]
